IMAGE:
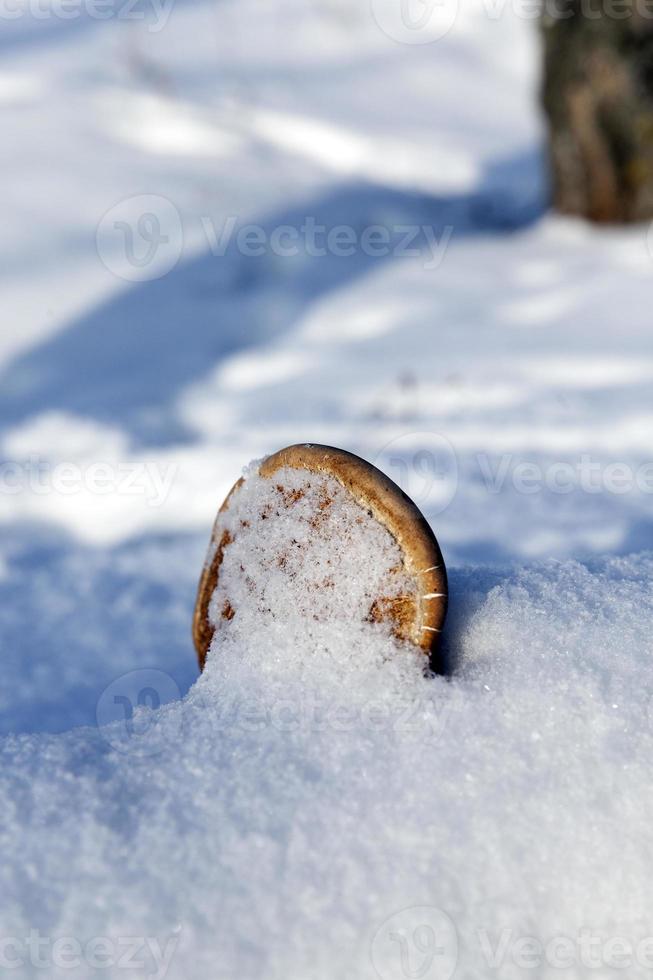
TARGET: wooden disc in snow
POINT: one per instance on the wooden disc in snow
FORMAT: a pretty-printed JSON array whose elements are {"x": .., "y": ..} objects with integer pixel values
[{"x": 316, "y": 535}]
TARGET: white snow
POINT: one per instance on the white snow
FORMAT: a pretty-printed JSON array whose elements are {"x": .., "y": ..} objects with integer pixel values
[
  {"x": 288, "y": 815},
  {"x": 304, "y": 561},
  {"x": 272, "y": 822}
]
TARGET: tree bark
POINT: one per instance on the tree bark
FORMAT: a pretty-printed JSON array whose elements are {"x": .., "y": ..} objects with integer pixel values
[{"x": 598, "y": 98}]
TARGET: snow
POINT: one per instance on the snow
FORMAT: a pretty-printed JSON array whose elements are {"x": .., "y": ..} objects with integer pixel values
[
  {"x": 287, "y": 815},
  {"x": 304, "y": 563},
  {"x": 291, "y": 804}
]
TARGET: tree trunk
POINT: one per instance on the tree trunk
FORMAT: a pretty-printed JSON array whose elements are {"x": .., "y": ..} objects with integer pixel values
[{"x": 598, "y": 98}]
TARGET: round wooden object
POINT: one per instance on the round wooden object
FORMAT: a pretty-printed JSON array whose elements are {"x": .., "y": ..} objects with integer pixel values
[{"x": 416, "y": 616}]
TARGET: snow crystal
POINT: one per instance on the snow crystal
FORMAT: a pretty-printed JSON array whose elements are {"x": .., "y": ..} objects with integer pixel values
[
  {"x": 305, "y": 558},
  {"x": 288, "y": 821}
]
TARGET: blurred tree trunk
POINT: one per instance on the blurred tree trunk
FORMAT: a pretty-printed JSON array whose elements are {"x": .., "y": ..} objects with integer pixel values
[{"x": 598, "y": 98}]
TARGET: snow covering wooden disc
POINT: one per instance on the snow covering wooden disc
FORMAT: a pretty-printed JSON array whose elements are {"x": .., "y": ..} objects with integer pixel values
[{"x": 316, "y": 535}]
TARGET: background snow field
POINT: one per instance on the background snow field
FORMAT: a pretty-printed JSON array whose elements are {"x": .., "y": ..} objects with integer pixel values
[{"x": 288, "y": 815}]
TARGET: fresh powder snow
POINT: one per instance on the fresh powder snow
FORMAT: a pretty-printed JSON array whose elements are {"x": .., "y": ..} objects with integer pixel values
[
  {"x": 304, "y": 557},
  {"x": 304, "y": 809}
]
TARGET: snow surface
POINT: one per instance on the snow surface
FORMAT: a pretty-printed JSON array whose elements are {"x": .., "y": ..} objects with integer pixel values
[
  {"x": 304, "y": 559},
  {"x": 278, "y": 816},
  {"x": 273, "y": 821}
]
